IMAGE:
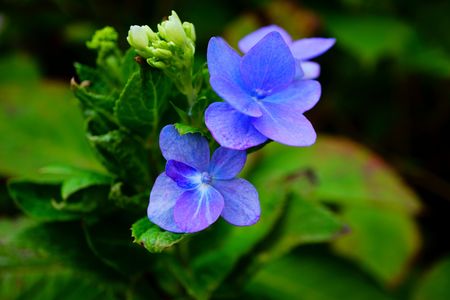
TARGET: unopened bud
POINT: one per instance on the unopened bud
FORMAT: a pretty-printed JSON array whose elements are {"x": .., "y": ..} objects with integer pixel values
[{"x": 138, "y": 37}]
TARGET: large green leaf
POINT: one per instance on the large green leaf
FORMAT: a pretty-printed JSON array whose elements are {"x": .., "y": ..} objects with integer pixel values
[
  {"x": 435, "y": 284},
  {"x": 382, "y": 242},
  {"x": 153, "y": 238},
  {"x": 310, "y": 275},
  {"x": 143, "y": 101},
  {"x": 41, "y": 125},
  {"x": 370, "y": 38},
  {"x": 345, "y": 174}
]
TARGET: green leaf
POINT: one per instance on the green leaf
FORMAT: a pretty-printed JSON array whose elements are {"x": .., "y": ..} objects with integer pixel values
[
  {"x": 345, "y": 174},
  {"x": 184, "y": 129},
  {"x": 123, "y": 156},
  {"x": 382, "y": 242},
  {"x": 435, "y": 284},
  {"x": 370, "y": 38},
  {"x": 110, "y": 241},
  {"x": 153, "y": 238},
  {"x": 82, "y": 181},
  {"x": 53, "y": 261},
  {"x": 310, "y": 275},
  {"x": 99, "y": 102},
  {"x": 36, "y": 200},
  {"x": 143, "y": 100},
  {"x": 304, "y": 221},
  {"x": 129, "y": 65},
  {"x": 41, "y": 125},
  {"x": 94, "y": 80}
]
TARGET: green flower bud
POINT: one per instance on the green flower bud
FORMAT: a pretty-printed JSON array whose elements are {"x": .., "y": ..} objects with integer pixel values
[
  {"x": 172, "y": 30},
  {"x": 189, "y": 30},
  {"x": 138, "y": 37}
]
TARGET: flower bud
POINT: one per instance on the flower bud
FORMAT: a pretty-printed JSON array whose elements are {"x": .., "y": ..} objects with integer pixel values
[
  {"x": 138, "y": 37},
  {"x": 172, "y": 30},
  {"x": 189, "y": 30}
]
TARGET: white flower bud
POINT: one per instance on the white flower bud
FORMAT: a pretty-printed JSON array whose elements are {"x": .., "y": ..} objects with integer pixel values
[
  {"x": 138, "y": 37},
  {"x": 173, "y": 30}
]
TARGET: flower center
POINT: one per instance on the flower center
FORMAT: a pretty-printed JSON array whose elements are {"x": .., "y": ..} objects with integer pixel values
[
  {"x": 260, "y": 94},
  {"x": 206, "y": 178}
]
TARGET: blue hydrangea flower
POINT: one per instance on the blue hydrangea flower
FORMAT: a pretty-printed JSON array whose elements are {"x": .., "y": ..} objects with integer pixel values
[
  {"x": 194, "y": 191},
  {"x": 303, "y": 50},
  {"x": 262, "y": 98}
]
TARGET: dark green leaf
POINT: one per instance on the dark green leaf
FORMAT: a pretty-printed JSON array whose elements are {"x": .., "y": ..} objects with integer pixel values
[
  {"x": 153, "y": 238},
  {"x": 94, "y": 79},
  {"x": 143, "y": 100},
  {"x": 100, "y": 102},
  {"x": 123, "y": 156},
  {"x": 129, "y": 65},
  {"x": 37, "y": 200},
  {"x": 184, "y": 129},
  {"x": 82, "y": 181},
  {"x": 436, "y": 283}
]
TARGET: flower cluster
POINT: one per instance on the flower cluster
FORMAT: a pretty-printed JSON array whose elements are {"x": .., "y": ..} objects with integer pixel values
[{"x": 265, "y": 91}]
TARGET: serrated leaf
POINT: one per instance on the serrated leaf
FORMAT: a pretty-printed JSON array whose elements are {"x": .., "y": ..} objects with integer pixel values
[
  {"x": 100, "y": 102},
  {"x": 143, "y": 100},
  {"x": 153, "y": 238},
  {"x": 81, "y": 181},
  {"x": 123, "y": 156},
  {"x": 129, "y": 66},
  {"x": 310, "y": 275},
  {"x": 184, "y": 129},
  {"x": 96, "y": 80},
  {"x": 435, "y": 284}
]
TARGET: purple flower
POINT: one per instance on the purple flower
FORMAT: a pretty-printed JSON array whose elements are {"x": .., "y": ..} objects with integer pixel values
[
  {"x": 263, "y": 99},
  {"x": 194, "y": 191},
  {"x": 303, "y": 50}
]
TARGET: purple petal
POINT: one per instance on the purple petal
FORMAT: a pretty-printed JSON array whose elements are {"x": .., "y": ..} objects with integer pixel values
[
  {"x": 250, "y": 40},
  {"x": 236, "y": 96},
  {"x": 230, "y": 128},
  {"x": 241, "y": 201},
  {"x": 185, "y": 176},
  {"x": 225, "y": 77},
  {"x": 223, "y": 61},
  {"x": 286, "y": 125},
  {"x": 226, "y": 163},
  {"x": 191, "y": 148},
  {"x": 310, "y": 69},
  {"x": 268, "y": 65},
  {"x": 197, "y": 209},
  {"x": 305, "y": 49},
  {"x": 300, "y": 96},
  {"x": 163, "y": 197}
]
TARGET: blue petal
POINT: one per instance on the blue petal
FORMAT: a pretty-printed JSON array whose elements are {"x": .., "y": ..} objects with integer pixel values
[
  {"x": 250, "y": 40},
  {"x": 283, "y": 123},
  {"x": 300, "y": 96},
  {"x": 197, "y": 209},
  {"x": 223, "y": 61},
  {"x": 236, "y": 96},
  {"x": 230, "y": 128},
  {"x": 185, "y": 176},
  {"x": 311, "y": 70},
  {"x": 225, "y": 77},
  {"x": 305, "y": 49},
  {"x": 227, "y": 163},
  {"x": 191, "y": 148},
  {"x": 268, "y": 65},
  {"x": 163, "y": 197},
  {"x": 241, "y": 201}
]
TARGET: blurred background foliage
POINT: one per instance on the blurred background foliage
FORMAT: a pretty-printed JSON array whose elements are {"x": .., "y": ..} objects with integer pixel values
[{"x": 385, "y": 86}]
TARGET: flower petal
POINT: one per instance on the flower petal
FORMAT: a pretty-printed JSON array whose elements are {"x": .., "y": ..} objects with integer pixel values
[
  {"x": 300, "y": 96},
  {"x": 163, "y": 197},
  {"x": 236, "y": 96},
  {"x": 185, "y": 176},
  {"x": 250, "y": 40},
  {"x": 226, "y": 163},
  {"x": 311, "y": 70},
  {"x": 241, "y": 201},
  {"x": 268, "y": 65},
  {"x": 223, "y": 61},
  {"x": 286, "y": 125},
  {"x": 308, "y": 48},
  {"x": 191, "y": 148},
  {"x": 230, "y": 128},
  {"x": 197, "y": 209}
]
